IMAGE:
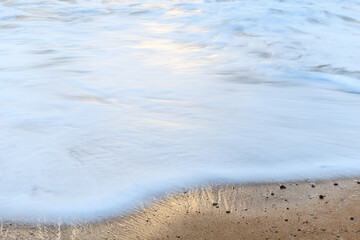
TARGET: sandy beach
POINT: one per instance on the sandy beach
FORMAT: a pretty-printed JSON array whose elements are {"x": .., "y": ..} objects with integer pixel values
[
  {"x": 176, "y": 119},
  {"x": 290, "y": 210}
]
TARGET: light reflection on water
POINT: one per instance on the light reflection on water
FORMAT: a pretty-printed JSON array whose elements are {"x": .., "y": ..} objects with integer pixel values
[{"x": 106, "y": 103}]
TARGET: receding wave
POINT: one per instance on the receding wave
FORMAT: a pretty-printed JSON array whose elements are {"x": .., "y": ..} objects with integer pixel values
[{"x": 106, "y": 104}]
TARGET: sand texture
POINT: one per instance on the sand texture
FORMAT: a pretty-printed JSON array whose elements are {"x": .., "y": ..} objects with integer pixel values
[{"x": 301, "y": 210}]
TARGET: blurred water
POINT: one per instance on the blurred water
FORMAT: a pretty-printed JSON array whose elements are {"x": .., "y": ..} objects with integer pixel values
[{"x": 104, "y": 104}]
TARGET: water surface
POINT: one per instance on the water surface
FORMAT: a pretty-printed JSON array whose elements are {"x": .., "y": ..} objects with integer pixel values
[{"x": 104, "y": 104}]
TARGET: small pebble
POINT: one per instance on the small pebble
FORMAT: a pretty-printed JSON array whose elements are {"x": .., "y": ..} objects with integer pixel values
[
  {"x": 282, "y": 187},
  {"x": 272, "y": 194},
  {"x": 324, "y": 229},
  {"x": 351, "y": 218},
  {"x": 335, "y": 184},
  {"x": 286, "y": 220},
  {"x": 228, "y": 211},
  {"x": 312, "y": 185},
  {"x": 321, "y": 196}
]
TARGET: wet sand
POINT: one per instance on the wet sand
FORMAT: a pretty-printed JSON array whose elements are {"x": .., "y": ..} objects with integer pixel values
[{"x": 300, "y": 210}]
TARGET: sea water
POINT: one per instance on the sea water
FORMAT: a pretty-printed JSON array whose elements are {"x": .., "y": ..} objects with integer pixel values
[{"x": 106, "y": 104}]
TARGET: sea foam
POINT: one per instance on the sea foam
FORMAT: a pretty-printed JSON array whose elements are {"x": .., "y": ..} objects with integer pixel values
[{"x": 106, "y": 104}]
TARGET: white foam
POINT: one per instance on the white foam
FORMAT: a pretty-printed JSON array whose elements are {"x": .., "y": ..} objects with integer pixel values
[{"x": 104, "y": 104}]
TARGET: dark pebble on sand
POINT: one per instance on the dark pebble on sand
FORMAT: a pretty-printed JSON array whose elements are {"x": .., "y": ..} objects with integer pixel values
[
  {"x": 178, "y": 236},
  {"x": 335, "y": 184},
  {"x": 312, "y": 185},
  {"x": 321, "y": 196},
  {"x": 215, "y": 203},
  {"x": 351, "y": 218},
  {"x": 358, "y": 182},
  {"x": 228, "y": 211},
  {"x": 282, "y": 187}
]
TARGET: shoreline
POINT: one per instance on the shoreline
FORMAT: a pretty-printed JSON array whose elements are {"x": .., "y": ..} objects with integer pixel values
[{"x": 316, "y": 209}]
